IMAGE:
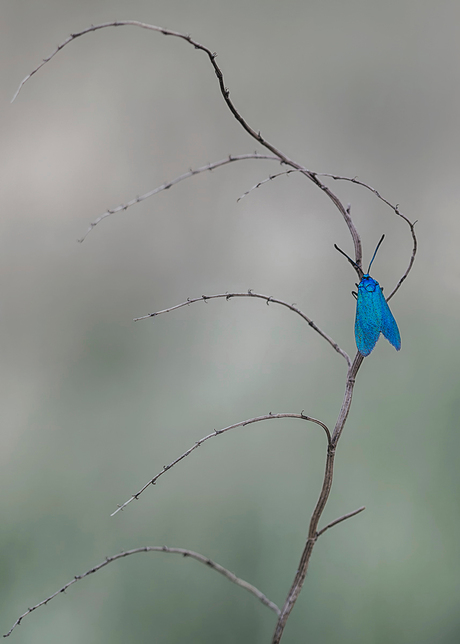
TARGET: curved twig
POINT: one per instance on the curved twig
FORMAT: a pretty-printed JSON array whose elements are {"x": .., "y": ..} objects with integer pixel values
[
  {"x": 185, "y": 553},
  {"x": 268, "y": 299},
  {"x": 179, "y": 551},
  {"x": 358, "y": 182},
  {"x": 412, "y": 258},
  {"x": 164, "y": 186},
  {"x": 217, "y": 432},
  {"x": 267, "y": 180}
]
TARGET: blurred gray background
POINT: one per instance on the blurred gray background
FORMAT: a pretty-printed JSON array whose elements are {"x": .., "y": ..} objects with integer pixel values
[{"x": 94, "y": 404}]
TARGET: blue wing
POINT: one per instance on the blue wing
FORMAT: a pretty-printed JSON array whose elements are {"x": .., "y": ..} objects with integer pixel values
[
  {"x": 373, "y": 316},
  {"x": 389, "y": 327},
  {"x": 367, "y": 322}
]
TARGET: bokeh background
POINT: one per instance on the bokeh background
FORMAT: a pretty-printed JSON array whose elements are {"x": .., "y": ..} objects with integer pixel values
[{"x": 94, "y": 404}]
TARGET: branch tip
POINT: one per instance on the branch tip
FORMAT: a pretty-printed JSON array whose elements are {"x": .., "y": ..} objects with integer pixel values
[{"x": 339, "y": 520}]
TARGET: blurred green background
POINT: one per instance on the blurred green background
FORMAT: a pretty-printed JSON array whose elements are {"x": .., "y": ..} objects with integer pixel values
[{"x": 94, "y": 404}]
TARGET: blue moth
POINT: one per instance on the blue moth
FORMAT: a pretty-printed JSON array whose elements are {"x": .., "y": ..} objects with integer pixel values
[{"x": 373, "y": 315}]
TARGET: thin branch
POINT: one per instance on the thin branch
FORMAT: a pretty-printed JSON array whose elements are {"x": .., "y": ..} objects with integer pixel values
[
  {"x": 217, "y": 432},
  {"x": 168, "y": 184},
  {"x": 179, "y": 551},
  {"x": 268, "y": 299},
  {"x": 226, "y": 96},
  {"x": 261, "y": 183},
  {"x": 412, "y": 258},
  {"x": 337, "y": 177},
  {"x": 339, "y": 520},
  {"x": 116, "y": 23}
]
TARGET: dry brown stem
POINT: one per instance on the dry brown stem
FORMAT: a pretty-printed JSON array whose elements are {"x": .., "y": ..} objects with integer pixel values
[{"x": 353, "y": 368}]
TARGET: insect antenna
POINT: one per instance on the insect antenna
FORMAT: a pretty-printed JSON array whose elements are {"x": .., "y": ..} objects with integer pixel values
[
  {"x": 375, "y": 253},
  {"x": 353, "y": 263}
]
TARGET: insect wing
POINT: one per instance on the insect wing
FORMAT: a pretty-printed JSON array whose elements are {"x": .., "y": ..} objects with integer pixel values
[
  {"x": 389, "y": 327},
  {"x": 368, "y": 322},
  {"x": 373, "y": 317}
]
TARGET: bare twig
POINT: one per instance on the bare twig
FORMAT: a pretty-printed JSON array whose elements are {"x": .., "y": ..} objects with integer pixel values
[
  {"x": 339, "y": 520},
  {"x": 179, "y": 551},
  {"x": 412, "y": 258},
  {"x": 270, "y": 178},
  {"x": 268, "y": 299},
  {"x": 168, "y": 184},
  {"x": 226, "y": 96},
  {"x": 358, "y": 182},
  {"x": 217, "y": 432}
]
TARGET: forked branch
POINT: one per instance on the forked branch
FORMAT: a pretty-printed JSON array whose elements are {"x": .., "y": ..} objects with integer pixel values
[
  {"x": 313, "y": 533},
  {"x": 349, "y": 515}
]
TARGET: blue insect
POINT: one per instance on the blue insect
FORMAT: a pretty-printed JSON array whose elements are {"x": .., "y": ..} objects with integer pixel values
[{"x": 373, "y": 315}]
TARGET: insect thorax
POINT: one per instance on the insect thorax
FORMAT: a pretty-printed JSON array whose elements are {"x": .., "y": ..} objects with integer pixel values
[{"x": 368, "y": 283}]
